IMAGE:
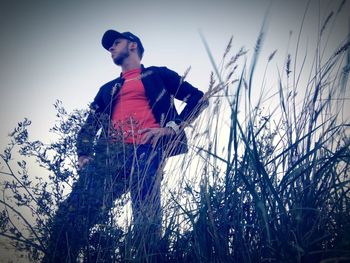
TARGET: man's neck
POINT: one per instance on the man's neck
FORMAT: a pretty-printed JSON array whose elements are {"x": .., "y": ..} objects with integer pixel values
[{"x": 128, "y": 65}]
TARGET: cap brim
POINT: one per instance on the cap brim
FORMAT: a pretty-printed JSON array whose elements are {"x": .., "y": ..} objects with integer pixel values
[{"x": 109, "y": 37}]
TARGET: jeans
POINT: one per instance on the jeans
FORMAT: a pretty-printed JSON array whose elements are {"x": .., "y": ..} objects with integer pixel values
[{"x": 116, "y": 169}]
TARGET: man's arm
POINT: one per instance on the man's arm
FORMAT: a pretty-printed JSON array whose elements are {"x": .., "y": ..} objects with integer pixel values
[
  {"x": 152, "y": 135},
  {"x": 88, "y": 132},
  {"x": 85, "y": 139},
  {"x": 184, "y": 91}
]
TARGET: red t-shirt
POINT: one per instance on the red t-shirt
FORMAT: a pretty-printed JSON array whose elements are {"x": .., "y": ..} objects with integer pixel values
[{"x": 132, "y": 111}]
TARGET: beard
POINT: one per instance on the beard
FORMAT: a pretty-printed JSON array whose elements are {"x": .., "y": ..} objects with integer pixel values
[{"x": 123, "y": 54}]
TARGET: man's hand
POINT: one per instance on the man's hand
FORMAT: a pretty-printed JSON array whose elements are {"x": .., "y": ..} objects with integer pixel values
[
  {"x": 152, "y": 135},
  {"x": 83, "y": 161}
]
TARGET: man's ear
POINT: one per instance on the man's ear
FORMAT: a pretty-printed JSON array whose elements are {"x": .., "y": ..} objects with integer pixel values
[{"x": 133, "y": 46}]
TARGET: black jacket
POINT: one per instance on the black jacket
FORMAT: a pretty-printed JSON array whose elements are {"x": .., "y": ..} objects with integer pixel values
[{"x": 161, "y": 85}]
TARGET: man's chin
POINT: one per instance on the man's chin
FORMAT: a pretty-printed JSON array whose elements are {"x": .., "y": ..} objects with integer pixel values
[{"x": 118, "y": 62}]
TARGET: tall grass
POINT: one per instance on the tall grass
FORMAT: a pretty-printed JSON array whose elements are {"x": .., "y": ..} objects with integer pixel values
[{"x": 267, "y": 182}]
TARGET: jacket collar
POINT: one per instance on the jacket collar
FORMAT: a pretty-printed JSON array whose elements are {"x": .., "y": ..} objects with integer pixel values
[{"x": 142, "y": 70}]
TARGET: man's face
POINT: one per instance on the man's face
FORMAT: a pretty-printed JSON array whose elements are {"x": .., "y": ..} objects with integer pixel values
[{"x": 119, "y": 50}]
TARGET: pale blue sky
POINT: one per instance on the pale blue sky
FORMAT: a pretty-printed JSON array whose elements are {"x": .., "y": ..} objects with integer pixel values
[{"x": 51, "y": 49}]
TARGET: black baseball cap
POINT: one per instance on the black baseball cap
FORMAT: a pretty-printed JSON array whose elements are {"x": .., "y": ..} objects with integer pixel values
[{"x": 111, "y": 35}]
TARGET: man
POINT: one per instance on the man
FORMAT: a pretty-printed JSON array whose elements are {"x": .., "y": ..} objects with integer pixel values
[{"x": 138, "y": 127}]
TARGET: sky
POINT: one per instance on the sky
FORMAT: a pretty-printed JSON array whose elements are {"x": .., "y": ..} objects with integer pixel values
[{"x": 52, "y": 49}]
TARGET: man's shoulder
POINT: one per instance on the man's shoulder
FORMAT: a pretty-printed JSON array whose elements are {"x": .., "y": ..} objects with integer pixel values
[
  {"x": 154, "y": 68},
  {"x": 163, "y": 71},
  {"x": 110, "y": 83},
  {"x": 157, "y": 69},
  {"x": 106, "y": 91}
]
